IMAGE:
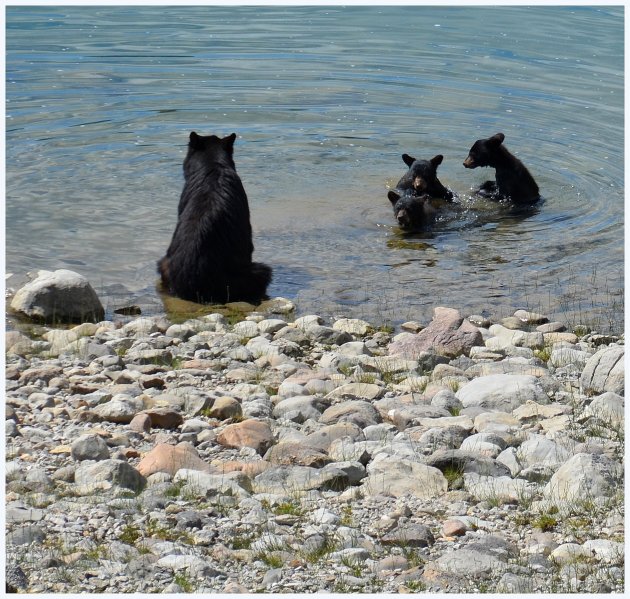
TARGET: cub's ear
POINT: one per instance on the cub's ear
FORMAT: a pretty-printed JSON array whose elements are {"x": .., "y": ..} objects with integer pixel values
[
  {"x": 393, "y": 197},
  {"x": 437, "y": 160},
  {"x": 229, "y": 140},
  {"x": 408, "y": 160},
  {"x": 497, "y": 139},
  {"x": 195, "y": 141}
]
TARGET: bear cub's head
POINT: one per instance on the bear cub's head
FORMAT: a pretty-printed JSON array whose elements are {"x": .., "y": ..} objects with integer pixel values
[
  {"x": 421, "y": 178},
  {"x": 484, "y": 152},
  {"x": 207, "y": 149},
  {"x": 412, "y": 212}
]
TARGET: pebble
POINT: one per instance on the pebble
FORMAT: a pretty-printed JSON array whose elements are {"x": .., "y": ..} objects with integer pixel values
[{"x": 298, "y": 456}]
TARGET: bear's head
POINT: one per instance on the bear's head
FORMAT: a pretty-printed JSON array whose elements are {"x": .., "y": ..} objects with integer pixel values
[
  {"x": 205, "y": 149},
  {"x": 422, "y": 176},
  {"x": 484, "y": 151},
  {"x": 411, "y": 211}
]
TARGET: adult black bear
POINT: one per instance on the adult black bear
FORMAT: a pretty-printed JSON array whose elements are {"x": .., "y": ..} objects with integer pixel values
[
  {"x": 513, "y": 181},
  {"x": 209, "y": 259},
  {"x": 416, "y": 199}
]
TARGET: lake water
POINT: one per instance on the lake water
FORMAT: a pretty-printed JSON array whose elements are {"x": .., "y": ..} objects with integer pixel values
[{"x": 324, "y": 100}]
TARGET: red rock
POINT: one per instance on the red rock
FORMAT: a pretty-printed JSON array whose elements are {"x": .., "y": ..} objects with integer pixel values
[
  {"x": 448, "y": 334},
  {"x": 164, "y": 417},
  {"x": 140, "y": 423},
  {"x": 249, "y": 433},
  {"x": 170, "y": 458},
  {"x": 454, "y": 528}
]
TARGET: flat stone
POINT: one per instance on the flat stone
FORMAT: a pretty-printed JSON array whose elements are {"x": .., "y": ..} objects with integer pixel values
[
  {"x": 171, "y": 458},
  {"x": 112, "y": 472},
  {"x": 570, "y": 553},
  {"x": 25, "y": 535},
  {"x": 323, "y": 437},
  {"x": 271, "y": 325},
  {"x": 354, "y": 326},
  {"x": 532, "y": 411},
  {"x": 409, "y": 535},
  {"x": 564, "y": 356},
  {"x": 361, "y": 413},
  {"x": 299, "y": 409},
  {"x": 469, "y": 563},
  {"x": 466, "y": 461},
  {"x": 290, "y": 453},
  {"x": 226, "y": 483},
  {"x": 504, "y": 338},
  {"x": 399, "y": 477},
  {"x": 367, "y": 391},
  {"x": 120, "y": 408},
  {"x": 560, "y": 337},
  {"x": 249, "y": 433},
  {"x": 551, "y": 327},
  {"x": 498, "y": 488},
  {"x": 503, "y": 392},
  {"x": 506, "y": 366},
  {"x": 19, "y": 512},
  {"x": 530, "y": 317},
  {"x": 327, "y": 335}
]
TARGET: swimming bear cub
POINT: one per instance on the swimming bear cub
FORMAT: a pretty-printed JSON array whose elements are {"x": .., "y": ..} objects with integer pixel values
[
  {"x": 209, "y": 259},
  {"x": 416, "y": 199},
  {"x": 421, "y": 178},
  {"x": 513, "y": 181}
]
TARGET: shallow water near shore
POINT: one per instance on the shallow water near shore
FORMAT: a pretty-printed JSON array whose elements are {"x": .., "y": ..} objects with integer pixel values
[{"x": 324, "y": 100}]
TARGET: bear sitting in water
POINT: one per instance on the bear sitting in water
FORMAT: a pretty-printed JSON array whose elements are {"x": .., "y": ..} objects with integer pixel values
[
  {"x": 416, "y": 199},
  {"x": 513, "y": 180},
  {"x": 209, "y": 259}
]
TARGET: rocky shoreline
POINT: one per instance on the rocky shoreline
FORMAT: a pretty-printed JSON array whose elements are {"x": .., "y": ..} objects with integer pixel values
[{"x": 278, "y": 455}]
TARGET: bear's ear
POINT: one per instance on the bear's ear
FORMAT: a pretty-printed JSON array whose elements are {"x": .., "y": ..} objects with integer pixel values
[
  {"x": 437, "y": 160},
  {"x": 229, "y": 140},
  {"x": 195, "y": 141},
  {"x": 497, "y": 139},
  {"x": 408, "y": 160},
  {"x": 393, "y": 197}
]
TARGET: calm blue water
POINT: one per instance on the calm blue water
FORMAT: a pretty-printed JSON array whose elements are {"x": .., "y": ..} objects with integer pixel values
[{"x": 100, "y": 103}]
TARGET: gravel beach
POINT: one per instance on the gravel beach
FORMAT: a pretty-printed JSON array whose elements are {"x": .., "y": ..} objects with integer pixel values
[{"x": 280, "y": 454}]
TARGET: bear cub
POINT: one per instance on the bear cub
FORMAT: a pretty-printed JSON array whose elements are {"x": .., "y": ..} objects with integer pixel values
[
  {"x": 209, "y": 259},
  {"x": 513, "y": 181},
  {"x": 416, "y": 199}
]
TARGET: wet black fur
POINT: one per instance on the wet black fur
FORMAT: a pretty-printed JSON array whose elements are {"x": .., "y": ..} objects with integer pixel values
[
  {"x": 209, "y": 259},
  {"x": 414, "y": 199},
  {"x": 513, "y": 181}
]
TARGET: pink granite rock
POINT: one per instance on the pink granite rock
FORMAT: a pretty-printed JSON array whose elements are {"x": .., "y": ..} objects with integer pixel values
[
  {"x": 249, "y": 433},
  {"x": 170, "y": 458},
  {"x": 448, "y": 334}
]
